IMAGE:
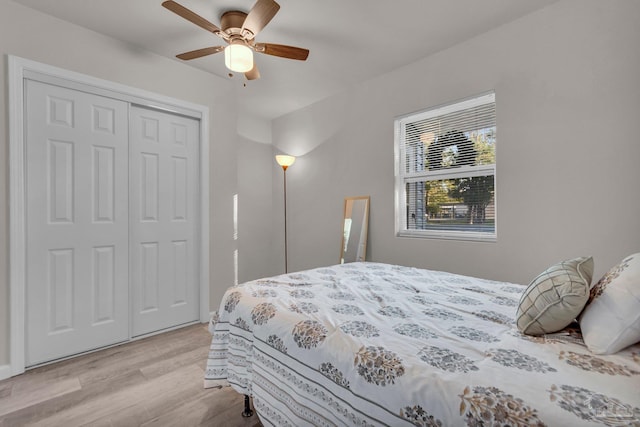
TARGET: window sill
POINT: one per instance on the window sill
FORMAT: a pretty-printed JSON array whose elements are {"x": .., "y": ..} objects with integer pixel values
[{"x": 449, "y": 235}]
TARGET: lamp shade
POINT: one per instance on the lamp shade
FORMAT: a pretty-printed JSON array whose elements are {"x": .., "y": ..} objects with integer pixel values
[
  {"x": 238, "y": 57},
  {"x": 285, "y": 161}
]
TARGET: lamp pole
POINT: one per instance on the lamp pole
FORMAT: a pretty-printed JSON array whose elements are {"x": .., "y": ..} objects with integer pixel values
[
  {"x": 284, "y": 174},
  {"x": 285, "y": 162}
]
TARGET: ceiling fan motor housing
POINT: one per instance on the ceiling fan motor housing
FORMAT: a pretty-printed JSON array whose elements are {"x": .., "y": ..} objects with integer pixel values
[{"x": 231, "y": 21}]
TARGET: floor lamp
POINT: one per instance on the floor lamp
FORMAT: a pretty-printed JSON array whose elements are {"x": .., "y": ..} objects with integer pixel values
[{"x": 285, "y": 162}]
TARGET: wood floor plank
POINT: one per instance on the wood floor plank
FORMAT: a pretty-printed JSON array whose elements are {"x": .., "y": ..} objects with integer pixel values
[
  {"x": 106, "y": 404},
  {"x": 156, "y": 381},
  {"x": 52, "y": 406},
  {"x": 124, "y": 361},
  {"x": 161, "y": 367},
  {"x": 5, "y": 389},
  {"x": 20, "y": 399},
  {"x": 223, "y": 408},
  {"x": 132, "y": 416}
]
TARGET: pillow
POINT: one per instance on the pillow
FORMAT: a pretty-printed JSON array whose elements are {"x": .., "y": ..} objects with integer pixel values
[
  {"x": 556, "y": 297},
  {"x": 611, "y": 319}
]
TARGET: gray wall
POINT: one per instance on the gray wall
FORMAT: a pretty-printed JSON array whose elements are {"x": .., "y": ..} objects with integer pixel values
[
  {"x": 567, "y": 87},
  {"x": 35, "y": 36},
  {"x": 256, "y": 255}
]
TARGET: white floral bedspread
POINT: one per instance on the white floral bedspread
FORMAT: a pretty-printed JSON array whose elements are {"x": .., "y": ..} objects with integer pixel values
[{"x": 376, "y": 344}]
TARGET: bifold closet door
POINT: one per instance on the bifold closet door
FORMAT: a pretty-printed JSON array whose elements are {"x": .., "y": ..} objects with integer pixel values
[
  {"x": 77, "y": 288},
  {"x": 164, "y": 218}
]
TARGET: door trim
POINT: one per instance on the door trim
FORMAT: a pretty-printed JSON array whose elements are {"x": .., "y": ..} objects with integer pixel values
[{"x": 20, "y": 69}]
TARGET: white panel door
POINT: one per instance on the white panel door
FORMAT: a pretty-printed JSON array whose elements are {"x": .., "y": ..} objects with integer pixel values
[
  {"x": 77, "y": 291},
  {"x": 163, "y": 212}
]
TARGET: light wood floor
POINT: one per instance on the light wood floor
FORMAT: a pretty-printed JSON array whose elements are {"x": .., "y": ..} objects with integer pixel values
[{"x": 156, "y": 381}]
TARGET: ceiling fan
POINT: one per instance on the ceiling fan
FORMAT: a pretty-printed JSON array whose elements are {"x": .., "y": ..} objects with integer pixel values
[{"x": 239, "y": 29}]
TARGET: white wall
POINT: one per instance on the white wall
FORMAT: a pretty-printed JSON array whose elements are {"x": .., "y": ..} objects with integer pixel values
[
  {"x": 256, "y": 166},
  {"x": 32, "y": 35},
  {"x": 568, "y": 102}
]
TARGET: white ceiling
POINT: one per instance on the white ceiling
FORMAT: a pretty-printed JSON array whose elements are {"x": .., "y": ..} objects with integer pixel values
[{"x": 349, "y": 40}]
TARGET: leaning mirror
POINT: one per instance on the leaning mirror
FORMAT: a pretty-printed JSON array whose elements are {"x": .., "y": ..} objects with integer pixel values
[{"x": 354, "y": 229}]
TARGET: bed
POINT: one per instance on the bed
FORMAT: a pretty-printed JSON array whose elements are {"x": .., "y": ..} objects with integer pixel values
[{"x": 372, "y": 344}]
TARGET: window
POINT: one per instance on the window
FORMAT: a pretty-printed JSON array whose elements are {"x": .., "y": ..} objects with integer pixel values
[{"x": 445, "y": 171}]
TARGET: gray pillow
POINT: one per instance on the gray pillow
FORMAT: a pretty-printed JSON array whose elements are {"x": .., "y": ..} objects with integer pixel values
[{"x": 556, "y": 297}]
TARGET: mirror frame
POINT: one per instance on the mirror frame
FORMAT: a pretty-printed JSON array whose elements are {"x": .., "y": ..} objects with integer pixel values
[{"x": 365, "y": 225}]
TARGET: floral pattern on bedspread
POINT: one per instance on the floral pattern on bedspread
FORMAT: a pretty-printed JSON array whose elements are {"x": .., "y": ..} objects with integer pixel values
[
  {"x": 590, "y": 405},
  {"x": 308, "y": 333},
  {"x": 592, "y": 363},
  {"x": 372, "y": 344},
  {"x": 492, "y": 406},
  {"x": 514, "y": 359},
  {"x": 419, "y": 417},
  {"x": 446, "y": 360},
  {"x": 378, "y": 365}
]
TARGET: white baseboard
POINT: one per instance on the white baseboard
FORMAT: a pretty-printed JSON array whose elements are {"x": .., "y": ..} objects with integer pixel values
[{"x": 5, "y": 372}]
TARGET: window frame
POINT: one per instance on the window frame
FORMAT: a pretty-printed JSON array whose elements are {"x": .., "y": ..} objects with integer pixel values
[{"x": 402, "y": 177}]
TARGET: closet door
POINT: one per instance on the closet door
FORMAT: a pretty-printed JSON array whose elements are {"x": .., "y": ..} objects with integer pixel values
[
  {"x": 77, "y": 293},
  {"x": 163, "y": 206}
]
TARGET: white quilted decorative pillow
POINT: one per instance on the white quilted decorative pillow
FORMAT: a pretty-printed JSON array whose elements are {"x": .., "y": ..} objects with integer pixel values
[{"x": 611, "y": 319}]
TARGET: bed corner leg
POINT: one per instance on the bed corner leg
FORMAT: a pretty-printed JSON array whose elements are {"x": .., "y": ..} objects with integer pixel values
[{"x": 247, "y": 407}]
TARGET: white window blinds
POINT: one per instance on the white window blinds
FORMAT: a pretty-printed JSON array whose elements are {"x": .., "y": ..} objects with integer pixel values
[{"x": 445, "y": 171}]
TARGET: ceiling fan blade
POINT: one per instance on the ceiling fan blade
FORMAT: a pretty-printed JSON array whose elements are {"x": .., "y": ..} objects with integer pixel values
[
  {"x": 200, "y": 52},
  {"x": 191, "y": 16},
  {"x": 283, "y": 51},
  {"x": 253, "y": 73},
  {"x": 259, "y": 16}
]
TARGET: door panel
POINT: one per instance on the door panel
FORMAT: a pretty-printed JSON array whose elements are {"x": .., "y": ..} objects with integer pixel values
[
  {"x": 77, "y": 224},
  {"x": 164, "y": 188}
]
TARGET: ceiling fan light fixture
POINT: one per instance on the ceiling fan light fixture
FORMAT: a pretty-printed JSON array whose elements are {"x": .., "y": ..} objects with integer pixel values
[
  {"x": 238, "y": 57},
  {"x": 238, "y": 29}
]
